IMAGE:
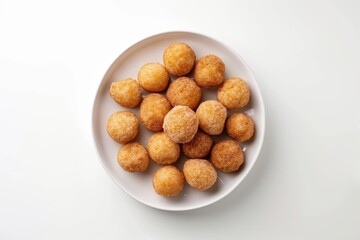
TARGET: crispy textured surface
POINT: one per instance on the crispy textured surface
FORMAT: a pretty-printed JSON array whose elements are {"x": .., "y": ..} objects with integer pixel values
[
  {"x": 209, "y": 71},
  {"x": 126, "y": 92},
  {"x": 234, "y": 93},
  {"x": 168, "y": 181},
  {"x": 153, "y": 110},
  {"x": 199, "y": 146},
  {"x": 122, "y": 126},
  {"x": 184, "y": 91},
  {"x": 199, "y": 174},
  {"x": 162, "y": 149},
  {"x": 240, "y": 127},
  {"x": 181, "y": 124},
  {"x": 133, "y": 157},
  {"x": 153, "y": 77},
  {"x": 227, "y": 156},
  {"x": 179, "y": 59},
  {"x": 212, "y": 116}
]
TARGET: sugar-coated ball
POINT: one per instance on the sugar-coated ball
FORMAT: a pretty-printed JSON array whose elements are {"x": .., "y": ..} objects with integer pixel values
[
  {"x": 212, "y": 116},
  {"x": 153, "y": 110},
  {"x": 122, "y": 126},
  {"x": 181, "y": 124},
  {"x": 199, "y": 146},
  {"x": 199, "y": 174},
  {"x": 162, "y": 149},
  {"x": 234, "y": 93},
  {"x": 209, "y": 71},
  {"x": 179, "y": 59},
  {"x": 184, "y": 91},
  {"x": 227, "y": 156},
  {"x": 153, "y": 77},
  {"x": 168, "y": 181},
  {"x": 240, "y": 127},
  {"x": 126, "y": 92},
  {"x": 133, "y": 157}
]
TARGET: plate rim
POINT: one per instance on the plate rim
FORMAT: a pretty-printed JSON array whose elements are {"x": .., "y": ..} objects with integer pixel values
[{"x": 263, "y": 122}]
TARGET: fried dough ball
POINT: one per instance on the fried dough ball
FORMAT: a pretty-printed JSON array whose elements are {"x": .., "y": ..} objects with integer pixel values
[
  {"x": 240, "y": 127},
  {"x": 234, "y": 93},
  {"x": 209, "y": 71},
  {"x": 153, "y": 110},
  {"x": 199, "y": 174},
  {"x": 199, "y": 146},
  {"x": 126, "y": 92},
  {"x": 153, "y": 77},
  {"x": 162, "y": 150},
  {"x": 133, "y": 157},
  {"x": 168, "y": 181},
  {"x": 122, "y": 126},
  {"x": 181, "y": 124},
  {"x": 184, "y": 91},
  {"x": 212, "y": 116},
  {"x": 227, "y": 156},
  {"x": 179, "y": 59}
]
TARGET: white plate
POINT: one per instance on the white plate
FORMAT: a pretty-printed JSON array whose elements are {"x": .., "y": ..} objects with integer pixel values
[{"x": 139, "y": 185}]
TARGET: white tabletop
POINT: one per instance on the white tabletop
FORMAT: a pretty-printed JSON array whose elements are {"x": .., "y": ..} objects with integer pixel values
[{"x": 305, "y": 56}]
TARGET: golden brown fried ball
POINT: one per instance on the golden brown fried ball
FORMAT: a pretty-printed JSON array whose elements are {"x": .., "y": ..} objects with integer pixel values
[
  {"x": 162, "y": 150},
  {"x": 181, "y": 124},
  {"x": 153, "y": 110},
  {"x": 227, "y": 156},
  {"x": 179, "y": 59},
  {"x": 122, "y": 126},
  {"x": 199, "y": 174},
  {"x": 209, "y": 71},
  {"x": 234, "y": 93},
  {"x": 153, "y": 77},
  {"x": 184, "y": 91},
  {"x": 240, "y": 127},
  {"x": 199, "y": 146},
  {"x": 133, "y": 157},
  {"x": 212, "y": 116},
  {"x": 126, "y": 92},
  {"x": 168, "y": 181}
]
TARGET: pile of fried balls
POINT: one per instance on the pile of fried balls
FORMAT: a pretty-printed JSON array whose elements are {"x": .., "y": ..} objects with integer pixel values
[{"x": 180, "y": 121}]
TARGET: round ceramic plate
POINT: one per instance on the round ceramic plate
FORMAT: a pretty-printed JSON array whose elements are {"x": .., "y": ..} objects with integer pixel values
[{"x": 139, "y": 185}]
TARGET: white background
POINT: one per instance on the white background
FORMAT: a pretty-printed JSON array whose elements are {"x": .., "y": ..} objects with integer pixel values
[{"x": 305, "y": 56}]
